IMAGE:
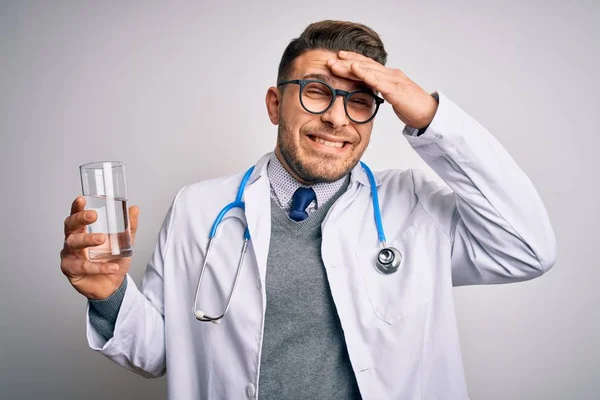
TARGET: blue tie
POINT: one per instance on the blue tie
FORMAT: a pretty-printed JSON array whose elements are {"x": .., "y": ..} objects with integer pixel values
[{"x": 302, "y": 198}]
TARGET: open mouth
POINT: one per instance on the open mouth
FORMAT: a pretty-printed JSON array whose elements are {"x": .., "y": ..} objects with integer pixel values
[{"x": 335, "y": 145}]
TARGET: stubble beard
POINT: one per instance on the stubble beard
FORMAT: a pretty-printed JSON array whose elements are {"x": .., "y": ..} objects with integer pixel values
[{"x": 325, "y": 169}]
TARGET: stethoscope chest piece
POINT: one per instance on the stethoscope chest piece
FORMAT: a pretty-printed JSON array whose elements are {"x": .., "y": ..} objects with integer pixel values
[{"x": 388, "y": 260}]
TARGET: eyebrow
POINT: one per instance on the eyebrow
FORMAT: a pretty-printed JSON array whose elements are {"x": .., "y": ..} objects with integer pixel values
[
  {"x": 328, "y": 79},
  {"x": 321, "y": 77}
]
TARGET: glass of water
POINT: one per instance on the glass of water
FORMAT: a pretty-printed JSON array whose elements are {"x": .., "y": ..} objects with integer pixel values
[{"x": 105, "y": 191}]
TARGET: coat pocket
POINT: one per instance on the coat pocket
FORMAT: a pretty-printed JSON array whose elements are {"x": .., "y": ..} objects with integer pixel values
[{"x": 397, "y": 295}]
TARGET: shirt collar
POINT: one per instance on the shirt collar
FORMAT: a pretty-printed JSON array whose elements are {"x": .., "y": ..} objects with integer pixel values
[
  {"x": 357, "y": 174},
  {"x": 284, "y": 185}
]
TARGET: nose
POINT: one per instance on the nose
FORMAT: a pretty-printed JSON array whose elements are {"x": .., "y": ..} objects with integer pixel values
[{"x": 336, "y": 115}]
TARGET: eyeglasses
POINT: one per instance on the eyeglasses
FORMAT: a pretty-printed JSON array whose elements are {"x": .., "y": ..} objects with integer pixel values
[{"x": 317, "y": 97}]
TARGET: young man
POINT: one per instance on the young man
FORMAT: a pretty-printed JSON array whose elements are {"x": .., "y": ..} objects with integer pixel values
[{"x": 314, "y": 315}]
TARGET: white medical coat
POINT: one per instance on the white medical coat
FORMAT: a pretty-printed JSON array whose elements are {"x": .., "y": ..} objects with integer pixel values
[{"x": 489, "y": 226}]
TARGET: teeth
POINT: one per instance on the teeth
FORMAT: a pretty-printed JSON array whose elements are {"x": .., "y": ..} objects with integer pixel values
[{"x": 337, "y": 145}]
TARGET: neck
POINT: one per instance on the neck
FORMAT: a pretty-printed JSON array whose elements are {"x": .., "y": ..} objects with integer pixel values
[{"x": 290, "y": 170}]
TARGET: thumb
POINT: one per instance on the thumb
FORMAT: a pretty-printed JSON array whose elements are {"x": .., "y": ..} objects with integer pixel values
[{"x": 134, "y": 213}]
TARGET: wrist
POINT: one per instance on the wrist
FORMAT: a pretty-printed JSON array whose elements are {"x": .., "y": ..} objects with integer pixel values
[
  {"x": 431, "y": 114},
  {"x": 107, "y": 291}
]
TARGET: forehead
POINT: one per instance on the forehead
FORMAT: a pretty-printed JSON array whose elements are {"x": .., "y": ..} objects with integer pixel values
[{"x": 314, "y": 62}]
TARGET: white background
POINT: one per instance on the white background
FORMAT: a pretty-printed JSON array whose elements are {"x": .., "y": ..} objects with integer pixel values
[{"x": 176, "y": 91}]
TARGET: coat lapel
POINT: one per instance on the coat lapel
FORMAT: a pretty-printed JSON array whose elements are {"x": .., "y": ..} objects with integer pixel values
[{"x": 257, "y": 197}]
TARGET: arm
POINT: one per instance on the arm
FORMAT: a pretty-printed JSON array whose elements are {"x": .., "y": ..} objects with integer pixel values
[
  {"x": 138, "y": 341},
  {"x": 496, "y": 222},
  {"x": 495, "y": 219}
]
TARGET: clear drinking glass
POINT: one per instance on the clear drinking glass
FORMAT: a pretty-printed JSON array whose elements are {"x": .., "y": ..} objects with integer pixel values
[{"x": 105, "y": 191}]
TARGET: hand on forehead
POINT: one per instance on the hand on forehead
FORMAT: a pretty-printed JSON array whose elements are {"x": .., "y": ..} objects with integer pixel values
[
  {"x": 316, "y": 64},
  {"x": 352, "y": 66}
]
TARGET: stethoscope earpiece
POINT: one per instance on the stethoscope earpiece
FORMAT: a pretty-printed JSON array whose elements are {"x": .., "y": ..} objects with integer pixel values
[{"x": 388, "y": 260}]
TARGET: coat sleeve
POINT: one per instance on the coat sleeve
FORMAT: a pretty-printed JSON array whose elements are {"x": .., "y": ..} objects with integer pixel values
[
  {"x": 138, "y": 343},
  {"x": 497, "y": 225}
]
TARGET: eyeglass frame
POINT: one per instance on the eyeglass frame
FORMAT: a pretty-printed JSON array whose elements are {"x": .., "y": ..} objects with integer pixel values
[{"x": 344, "y": 93}]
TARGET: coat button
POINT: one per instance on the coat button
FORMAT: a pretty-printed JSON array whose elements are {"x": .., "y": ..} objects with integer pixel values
[
  {"x": 251, "y": 391},
  {"x": 259, "y": 283}
]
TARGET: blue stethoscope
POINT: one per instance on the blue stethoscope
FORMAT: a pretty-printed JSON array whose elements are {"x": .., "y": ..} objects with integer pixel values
[{"x": 387, "y": 262}]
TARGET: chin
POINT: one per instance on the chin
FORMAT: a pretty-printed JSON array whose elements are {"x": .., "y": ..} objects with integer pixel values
[
  {"x": 322, "y": 171},
  {"x": 313, "y": 163}
]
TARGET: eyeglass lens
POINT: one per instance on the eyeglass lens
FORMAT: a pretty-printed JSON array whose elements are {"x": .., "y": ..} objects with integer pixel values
[{"x": 316, "y": 97}]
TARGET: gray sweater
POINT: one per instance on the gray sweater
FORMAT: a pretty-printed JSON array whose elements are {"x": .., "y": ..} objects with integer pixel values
[{"x": 304, "y": 353}]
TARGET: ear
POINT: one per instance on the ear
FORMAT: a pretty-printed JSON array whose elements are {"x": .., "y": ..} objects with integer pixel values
[{"x": 272, "y": 101}]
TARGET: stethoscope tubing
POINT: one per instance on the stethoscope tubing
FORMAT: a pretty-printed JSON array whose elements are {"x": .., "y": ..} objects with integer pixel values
[
  {"x": 376, "y": 209},
  {"x": 385, "y": 268}
]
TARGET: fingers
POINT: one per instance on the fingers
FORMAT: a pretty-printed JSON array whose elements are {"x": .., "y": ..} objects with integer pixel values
[
  {"x": 78, "y": 204},
  {"x": 75, "y": 223},
  {"x": 413, "y": 105},
  {"x": 74, "y": 267},
  {"x": 378, "y": 79},
  {"x": 356, "y": 66},
  {"x": 134, "y": 214},
  {"x": 351, "y": 55},
  {"x": 342, "y": 68},
  {"x": 347, "y": 67},
  {"x": 78, "y": 241}
]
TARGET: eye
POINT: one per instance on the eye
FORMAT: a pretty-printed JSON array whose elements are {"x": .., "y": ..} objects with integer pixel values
[
  {"x": 315, "y": 91},
  {"x": 362, "y": 100}
]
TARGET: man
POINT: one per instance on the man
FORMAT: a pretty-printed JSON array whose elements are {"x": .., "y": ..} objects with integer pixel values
[{"x": 311, "y": 316}]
